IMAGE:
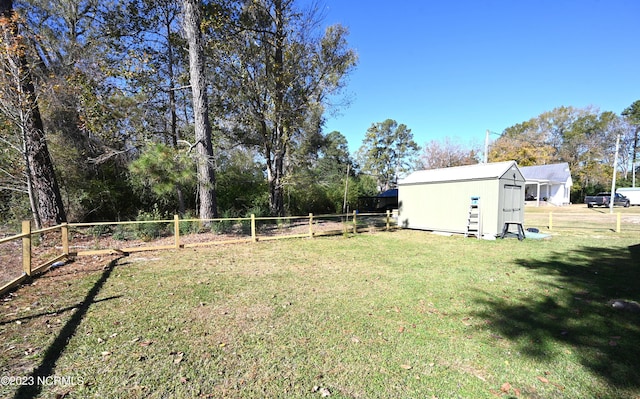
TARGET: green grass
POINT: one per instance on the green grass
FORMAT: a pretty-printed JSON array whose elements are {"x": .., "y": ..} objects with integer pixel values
[{"x": 404, "y": 314}]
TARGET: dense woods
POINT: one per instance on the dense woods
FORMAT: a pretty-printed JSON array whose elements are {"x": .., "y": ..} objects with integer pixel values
[
  {"x": 200, "y": 108},
  {"x": 113, "y": 110}
]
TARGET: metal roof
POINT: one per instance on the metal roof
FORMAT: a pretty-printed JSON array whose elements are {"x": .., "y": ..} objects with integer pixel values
[
  {"x": 558, "y": 172},
  {"x": 459, "y": 173},
  {"x": 393, "y": 192}
]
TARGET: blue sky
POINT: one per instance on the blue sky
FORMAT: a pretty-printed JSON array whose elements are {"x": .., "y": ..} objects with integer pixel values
[{"x": 457, "y": 68}]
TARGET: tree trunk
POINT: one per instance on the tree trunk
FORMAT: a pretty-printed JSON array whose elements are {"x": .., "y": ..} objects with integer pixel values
[
  {"x": 44, "y": 185},
  {"x": 276, "y": 188},
  {"x": 204, "y": 148},
  {"x": 275, "y": 173},
  {"x": 175, "y": 135},
  {"x": 635, "y": 153}
]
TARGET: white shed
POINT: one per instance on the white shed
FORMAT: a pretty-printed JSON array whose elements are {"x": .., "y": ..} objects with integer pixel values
[{"x": 441, "y": 199}]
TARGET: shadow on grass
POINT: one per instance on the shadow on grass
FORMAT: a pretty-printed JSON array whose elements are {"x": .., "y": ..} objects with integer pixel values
[
  {"x": 55, "y": 312},
  {"x": 578, "y": 308},
  {"x": 57, "y": 347}
]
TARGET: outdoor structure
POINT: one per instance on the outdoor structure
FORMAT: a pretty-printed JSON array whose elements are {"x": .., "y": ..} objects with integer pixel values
[
  {"x": 385, "y": 201},
  {"x": 440, "y": 199},
  {"x": 633, "y": 193},
  {"x": 549, "y": 183}
]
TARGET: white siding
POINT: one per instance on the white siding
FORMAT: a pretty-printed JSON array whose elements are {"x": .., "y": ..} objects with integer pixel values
[{"x": 442, "y": 204}]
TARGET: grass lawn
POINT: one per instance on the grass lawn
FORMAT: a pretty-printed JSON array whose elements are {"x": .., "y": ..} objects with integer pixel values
[{"x": 404, "y": 314}]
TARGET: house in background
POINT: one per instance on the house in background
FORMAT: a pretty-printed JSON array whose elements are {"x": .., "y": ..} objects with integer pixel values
[{"x": 549, "y": 183}]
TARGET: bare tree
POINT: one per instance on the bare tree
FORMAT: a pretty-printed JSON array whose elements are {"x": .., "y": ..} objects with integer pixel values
[{"x": 445, "y": 154}]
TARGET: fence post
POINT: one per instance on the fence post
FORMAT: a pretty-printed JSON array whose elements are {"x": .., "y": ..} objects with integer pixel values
[
  {"x": 311, "y": 225},
  {"x": 176, "y": 230},
  {"x": 550, "y": 220},
  {"x": 618, "y": 223},
  {"x": 26, "y": 247},
  {"x": 64, "y": 232},
  {"x": 355, "y": 224},
  {"x": 388, "y": 215},
  {"x": 253, "y": 228}
]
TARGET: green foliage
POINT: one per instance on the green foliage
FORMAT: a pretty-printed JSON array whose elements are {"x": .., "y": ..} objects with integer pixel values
[
  {"x": 364, "y": 186},
  {"x": 241, "y": 184},
  {"x": 316, "y": 183},
  {"x": 106, "y": 197},
  {"x": 309, "y": 198},
  {"x": 189, "y": 227},
  {"x": 276, "y": 87},
  {"x": 121, "y": 233},
  {"x": 159, "y": 171},
  {"x": 388, "y": 150},
  {"x": 585, "y": 138},
  {"x": 154, "y": 229},
  {"x": 632, "y": 113},
  {"x": 224, "y": 226},
  {"x": 15, "y": 209},
  {"x": 99, "y": 230}
]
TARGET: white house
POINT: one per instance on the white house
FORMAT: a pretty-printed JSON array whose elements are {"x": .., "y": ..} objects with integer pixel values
[{"x": 550, "y": 183}]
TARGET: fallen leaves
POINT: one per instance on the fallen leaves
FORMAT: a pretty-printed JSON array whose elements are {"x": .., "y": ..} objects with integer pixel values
[
  {"x": 324, "y": 392},
  {"x": 177, "y": 357},
  {"x": 545, "y": 380},
  {"x": 505, "y": 389}
]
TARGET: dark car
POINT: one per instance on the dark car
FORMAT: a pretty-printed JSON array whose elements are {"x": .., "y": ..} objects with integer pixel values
[{"x": 603, "y": 199}]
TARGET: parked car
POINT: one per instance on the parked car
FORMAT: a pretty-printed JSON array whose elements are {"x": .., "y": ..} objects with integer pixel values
[{"x": 603, "y": 199}]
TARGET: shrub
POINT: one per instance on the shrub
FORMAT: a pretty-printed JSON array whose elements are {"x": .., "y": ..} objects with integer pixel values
[
  {"x": 149, "y": 231},
  {"x": 223, "y": 226}
]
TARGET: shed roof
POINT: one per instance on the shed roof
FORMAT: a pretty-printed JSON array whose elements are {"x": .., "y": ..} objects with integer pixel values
[
  {"x": 393, "y": 192},
  {"x": 558, "y": 172},
  {"x": 458, "y": 173}
]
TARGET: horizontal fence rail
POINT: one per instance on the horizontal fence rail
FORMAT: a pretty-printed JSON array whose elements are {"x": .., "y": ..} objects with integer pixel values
[
  {"x": 615, "y": 222},
  {"x": 32, "y": 252},
  {"x": 47, "y": 247}
]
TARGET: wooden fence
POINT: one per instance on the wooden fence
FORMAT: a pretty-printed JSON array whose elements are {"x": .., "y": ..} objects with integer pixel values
[
  {"x": 617, "y": 222},
  {"x": 59, "y": 243},
  {"x": 33, "y": 252}
]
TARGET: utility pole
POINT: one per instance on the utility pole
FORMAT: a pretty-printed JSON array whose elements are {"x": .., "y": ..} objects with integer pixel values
[
  {"x": 486, "y": 147},
  {"x": 613, "y": 180},
  {"x": 635, "y": 152},
  {"x": 346, "y": 189}
]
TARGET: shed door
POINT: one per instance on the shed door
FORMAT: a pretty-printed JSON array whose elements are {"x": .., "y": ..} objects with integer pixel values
[{"x": 512, "y": 206}]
